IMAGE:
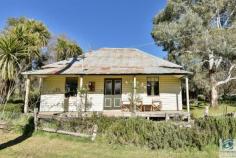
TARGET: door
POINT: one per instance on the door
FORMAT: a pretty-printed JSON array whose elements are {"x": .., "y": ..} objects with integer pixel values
[{"x": 112, "y": 94}]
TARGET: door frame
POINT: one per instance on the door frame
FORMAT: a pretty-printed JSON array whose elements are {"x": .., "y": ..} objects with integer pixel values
[{"x": 113, "y": 95}]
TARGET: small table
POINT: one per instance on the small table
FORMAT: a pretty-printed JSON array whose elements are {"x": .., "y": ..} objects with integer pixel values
[{"x": 149, "y": 106}]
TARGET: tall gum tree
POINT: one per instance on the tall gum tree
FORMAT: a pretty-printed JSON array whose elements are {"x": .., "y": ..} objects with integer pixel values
[{"x": 201, "y": 36}]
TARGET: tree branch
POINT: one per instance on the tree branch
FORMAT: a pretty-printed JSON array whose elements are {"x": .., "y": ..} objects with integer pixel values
[
  {"x": 226, "y": 21},
  {"x": 229, "y": 77}
]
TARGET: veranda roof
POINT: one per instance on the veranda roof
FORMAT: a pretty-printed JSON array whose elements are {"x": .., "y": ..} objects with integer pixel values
[{"x": 111, "y": 61}]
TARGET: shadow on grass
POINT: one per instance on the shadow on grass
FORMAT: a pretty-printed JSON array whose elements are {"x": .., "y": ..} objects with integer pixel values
[{"x": 27, "y": 132}]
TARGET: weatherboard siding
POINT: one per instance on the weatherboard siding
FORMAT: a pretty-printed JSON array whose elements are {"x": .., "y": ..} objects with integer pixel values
[
  {"x": 52, "y": 94},
  {"x": 170, "y": 93},
  {"x": 53, "y": 88}
]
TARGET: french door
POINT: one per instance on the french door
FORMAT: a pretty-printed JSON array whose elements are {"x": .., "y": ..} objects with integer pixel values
[{"x": 112, "y": 93}]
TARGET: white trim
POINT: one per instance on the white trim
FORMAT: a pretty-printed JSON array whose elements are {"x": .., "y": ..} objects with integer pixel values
[{"x": 106, "y": 102}]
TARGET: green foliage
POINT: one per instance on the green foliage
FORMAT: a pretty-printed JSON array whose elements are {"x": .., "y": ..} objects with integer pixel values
[
  {"x": 201, "y": 98},
  {"x": 199, "y": 35},
  {"x": 218, "y": 127},
  {"x": 34, "y": 99},
  {"x": 151, "y": 134},
  {"x": 84, "y": 125},
  {"x": 158, "y": 135},
  {"x": 20, "y": 43},
  {"x": 66, "y": 49},
  {"x": 28, "y": 129},
  {"x": 154, "y": 135},
  {"x": 12, "y": 107},
  {"x": 16, "y": 121},
  {"x": 32, "y": 32},
  {"x": 11, "y": 52}
]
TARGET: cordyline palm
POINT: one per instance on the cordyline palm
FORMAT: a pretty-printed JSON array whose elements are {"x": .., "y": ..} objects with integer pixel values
[
  {"x": 66, "y": 49},
  {"x": 29, "y": 40},
  {"x": 20, "y": 42},
  {"x": 31, "y": 27},
  {"x": 33, "y": 34},
  {"x": 11, "y": 52}
]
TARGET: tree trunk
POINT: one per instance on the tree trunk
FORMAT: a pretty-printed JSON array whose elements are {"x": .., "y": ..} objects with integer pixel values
[
  {"x": 214, "y": 96},
  {"x": 5, "y": 87},
  {"x": 214, "y": 91}
]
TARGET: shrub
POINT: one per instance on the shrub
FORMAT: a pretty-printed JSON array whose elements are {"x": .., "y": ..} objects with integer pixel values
[
  {"x": 155, "y": 135},
  {"x": 34, "y": 99},
  {"x": 201, "y": 97},
  {"x": 83, "y": 125},
  {"x": 218, "y": 127},
  {"x": 11, "y": 107},
  {"x": 162, "y": 135}
]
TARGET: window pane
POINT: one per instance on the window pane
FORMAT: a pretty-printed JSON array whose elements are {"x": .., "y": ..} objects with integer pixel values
[
  {"x": 91, "y": 86},
  {"x": 117, "y": 87},
  {"x": 149, "y": 88},
  {"x": 71, "y": 86},
  {"x": 108, "y": 87},
  {"x": 156, "y": 88}
]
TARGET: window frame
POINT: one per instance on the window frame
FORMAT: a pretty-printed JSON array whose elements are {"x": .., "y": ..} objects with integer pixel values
[
  {"x": 152, "y": 81},
  {"x": 75, "y": 82},
  {"x": 113, "y": 86},
  {"x": 91, "y": 86}
]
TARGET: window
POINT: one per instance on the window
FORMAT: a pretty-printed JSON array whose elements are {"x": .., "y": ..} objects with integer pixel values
[
  {"x": 108, "y": 87},
  {"x": 153, "y": 86},
  {"x": 91, "y": 86},
  {"x": 117, "y": 87},
  {"x": 71, "y": 86},
  {"x": 113, "y": 87}
]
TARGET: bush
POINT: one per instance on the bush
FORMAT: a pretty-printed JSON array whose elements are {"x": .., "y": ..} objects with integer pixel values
[
  {"x": 161, "y": 135},
  {"x": 155, "y": 135},
  {"x": 218, "y": 127},
  {"x": 34, "y": 99},
  {"x": 82, "y": 125},
  {"x": 201, "y": 97},
  {"x": 11, "y": 107},
  {"x": 228, "y": 98}
]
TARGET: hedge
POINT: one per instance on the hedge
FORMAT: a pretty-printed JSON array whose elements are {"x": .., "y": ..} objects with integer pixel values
[{"x": 153, "y": 134}]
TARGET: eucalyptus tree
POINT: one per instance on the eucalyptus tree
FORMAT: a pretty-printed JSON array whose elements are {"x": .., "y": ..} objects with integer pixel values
[
  {"x": 200, "y": 35},
  {"x": 66, "y": 48}
]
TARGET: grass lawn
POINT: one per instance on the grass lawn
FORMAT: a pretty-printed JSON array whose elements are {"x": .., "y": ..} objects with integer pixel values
[
  {"x": 223, "y": 108},
  {"x": 45, "y": 145}
]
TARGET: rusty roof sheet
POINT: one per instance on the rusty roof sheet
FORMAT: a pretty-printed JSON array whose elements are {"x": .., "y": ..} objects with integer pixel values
[{"x": 111, "y": 61}]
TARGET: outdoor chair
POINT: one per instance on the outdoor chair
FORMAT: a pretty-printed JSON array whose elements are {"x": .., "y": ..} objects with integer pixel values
[
  {"x": 125, "y": 105},
  {"x": 139, "y": 106},
  {"x": 156, "y": 105}
]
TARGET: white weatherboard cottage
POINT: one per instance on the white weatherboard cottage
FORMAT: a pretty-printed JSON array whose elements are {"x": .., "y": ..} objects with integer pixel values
[{"x": 110, "y": 77}]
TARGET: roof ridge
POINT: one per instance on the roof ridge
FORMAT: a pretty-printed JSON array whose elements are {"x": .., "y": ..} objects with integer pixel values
[{"x": 117, "y": 48}]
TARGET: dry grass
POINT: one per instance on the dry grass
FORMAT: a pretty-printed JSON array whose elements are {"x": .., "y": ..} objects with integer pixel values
[{"x": 44, "y": 145}]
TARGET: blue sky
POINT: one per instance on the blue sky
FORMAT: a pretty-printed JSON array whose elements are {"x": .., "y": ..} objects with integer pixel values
[{"x": 93, "y": 23}]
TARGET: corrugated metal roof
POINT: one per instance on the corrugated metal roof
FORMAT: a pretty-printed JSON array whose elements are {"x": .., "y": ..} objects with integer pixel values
[{"x": 112, "y": 61}]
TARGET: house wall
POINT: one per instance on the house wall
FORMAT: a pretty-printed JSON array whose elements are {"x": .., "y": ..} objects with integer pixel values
[
  {"x": 171, "y": 93},
  {"x": 53, "y": 88},
  {"x": 52, "y": 94}
]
